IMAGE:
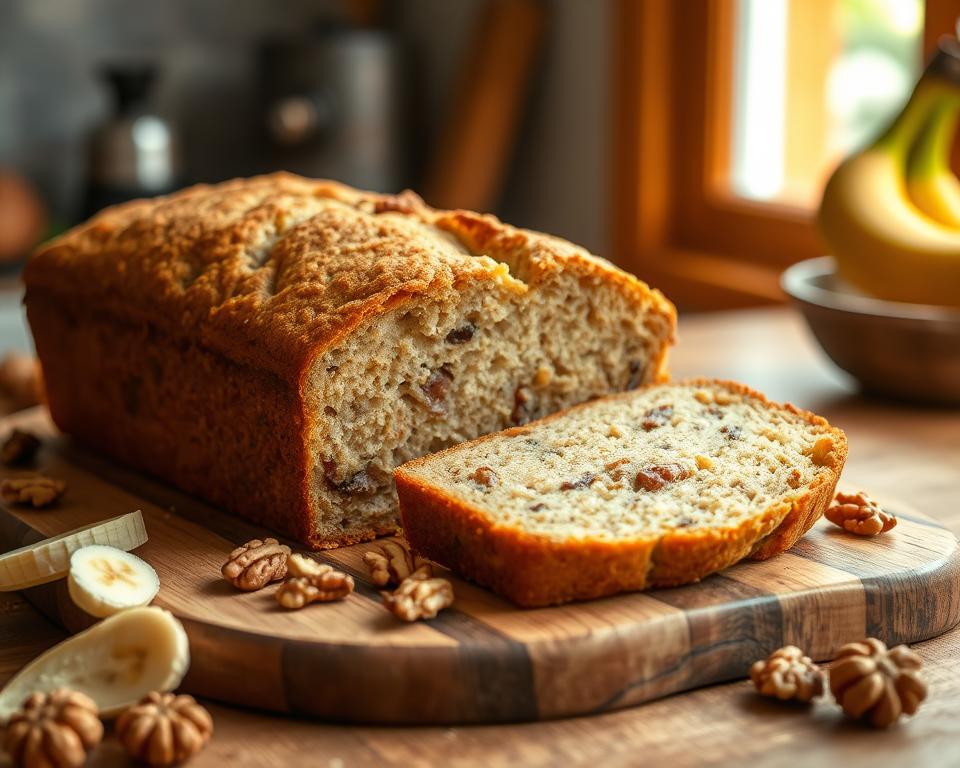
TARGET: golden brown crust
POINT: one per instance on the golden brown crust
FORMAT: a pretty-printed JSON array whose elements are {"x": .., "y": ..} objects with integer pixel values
[
  {"x": 177, "y": 334},
  {"x": 272, "y": 271},
  {"x": 535, "y": 570}
]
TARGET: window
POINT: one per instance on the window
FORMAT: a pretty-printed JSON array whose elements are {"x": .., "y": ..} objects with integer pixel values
[{"x": 731, "y": 115}]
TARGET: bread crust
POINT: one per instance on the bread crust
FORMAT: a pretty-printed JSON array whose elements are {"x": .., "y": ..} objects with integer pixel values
[
  {"x": 533, "y": 570},
  {"x": 235, "y": 290}
]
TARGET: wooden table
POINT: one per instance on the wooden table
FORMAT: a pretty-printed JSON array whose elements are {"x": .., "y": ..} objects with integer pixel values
[{"x": 904, "y": 452}]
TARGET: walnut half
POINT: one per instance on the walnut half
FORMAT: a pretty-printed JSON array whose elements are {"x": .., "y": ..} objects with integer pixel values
[
  {"x": 392, "y": 563},
  {"x": 877, "y": 685},
  {"x": 36, "y": 490},
  {"x": 858, "y": 513},
  {"x": 164, "y": 729},
  {"x": 419, "y": 597},
  {"x": 53, "y": 729},
  {"x": 788, "y": 674},
  {"x": 312, "y": 582},
  {"x": 256, "y": 563}
]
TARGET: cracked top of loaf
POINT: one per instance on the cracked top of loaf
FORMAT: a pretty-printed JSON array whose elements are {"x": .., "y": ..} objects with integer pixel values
[{"x": 273, "y": 270}]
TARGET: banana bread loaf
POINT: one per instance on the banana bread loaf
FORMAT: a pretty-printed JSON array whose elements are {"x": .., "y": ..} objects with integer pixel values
[
  {"x": 656, "y": 487},
  {"x": 278, "y": 345}
]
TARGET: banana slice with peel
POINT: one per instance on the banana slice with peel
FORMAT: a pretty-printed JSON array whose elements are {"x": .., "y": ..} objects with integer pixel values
[
  {"x": 106, "y": 580},
  {"x": 116, "y": 662},
  {"x": 49, "y": 560}
]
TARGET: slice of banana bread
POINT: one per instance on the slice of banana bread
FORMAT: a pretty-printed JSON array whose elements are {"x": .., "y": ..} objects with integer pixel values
[{"x": 656, "y": 487}]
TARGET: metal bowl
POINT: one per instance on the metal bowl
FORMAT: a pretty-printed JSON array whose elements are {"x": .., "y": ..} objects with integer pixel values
[{"x": 906, "y": 351}]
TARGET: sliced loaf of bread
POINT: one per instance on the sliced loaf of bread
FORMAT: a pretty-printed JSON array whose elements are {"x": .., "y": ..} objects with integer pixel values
[{"x": 656, "y": 487}]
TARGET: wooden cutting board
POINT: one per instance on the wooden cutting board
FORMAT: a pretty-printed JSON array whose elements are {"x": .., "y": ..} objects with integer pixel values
[{"x": 484, "y": 660}]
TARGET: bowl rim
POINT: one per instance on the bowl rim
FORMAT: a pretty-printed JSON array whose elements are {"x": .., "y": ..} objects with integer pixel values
[{"x": 796, "y": 282}]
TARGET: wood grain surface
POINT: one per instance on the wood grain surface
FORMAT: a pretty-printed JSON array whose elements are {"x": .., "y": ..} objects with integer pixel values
[
  {"x": 485, "y": 660},
  {"x": 899, "y": 451}
]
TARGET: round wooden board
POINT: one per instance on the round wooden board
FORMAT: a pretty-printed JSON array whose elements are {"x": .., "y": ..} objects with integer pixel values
[{"x": 484, "y": 660}]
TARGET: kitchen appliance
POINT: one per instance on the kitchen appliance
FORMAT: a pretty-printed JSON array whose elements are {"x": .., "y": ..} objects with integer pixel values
[{"x": 333, "y": 106}]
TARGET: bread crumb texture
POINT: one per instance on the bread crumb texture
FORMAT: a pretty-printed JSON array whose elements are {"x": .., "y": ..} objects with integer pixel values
[{"x": 701, "y": 465}]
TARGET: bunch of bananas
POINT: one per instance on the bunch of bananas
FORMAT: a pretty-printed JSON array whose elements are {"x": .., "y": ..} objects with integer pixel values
[{"x": 891, "y": 213}]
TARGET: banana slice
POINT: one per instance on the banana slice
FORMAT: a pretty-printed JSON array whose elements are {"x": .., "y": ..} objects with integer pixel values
[
  {"x": 106, "y": 580},
  {"x": 49, "y": 560},
  {"x": 116, "y": 662}
]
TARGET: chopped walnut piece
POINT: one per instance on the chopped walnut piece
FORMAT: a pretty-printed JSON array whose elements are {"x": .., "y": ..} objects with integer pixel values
[
  {"x": 877, "y": 685},
  {"x": 418, "y": 597},
  {"x": 36, "y": 490},
  {"x": 326, "y": 586},
  {"x": 437, "y": 389},
  {"x": 305, "y": 567},
  {"x": 795, "y": 479},
  {"x": 53, "y": 729},
  {"x": 256, "y": 563},
  {"x": 393, "y": 563},
  {"x": 657, "y": 417},
  {"x": 461, "y": 335},
  {"x": 164, "y": 729},
  {"x": 858, "y": 513},
  {"x": 19, "y": 448},
  {"x": 522, "y": 405},
  {"x": 655, "y": 477},
  {"x": 788, "y": 674},
  {"x": 485, "y": 476}
]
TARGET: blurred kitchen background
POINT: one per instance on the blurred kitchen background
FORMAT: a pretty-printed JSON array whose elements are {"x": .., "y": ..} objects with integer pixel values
[{"x": 686, "y": 141}]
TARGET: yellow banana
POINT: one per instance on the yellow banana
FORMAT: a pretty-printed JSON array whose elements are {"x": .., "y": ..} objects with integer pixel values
[
  {"x": 882, "y": 242},
  {"x": 932, "y": 185}
]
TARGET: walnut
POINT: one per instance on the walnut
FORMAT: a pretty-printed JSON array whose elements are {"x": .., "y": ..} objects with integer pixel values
[
  {"x": 655, "y": 477},
  {"x": 858, "y": 513},
  {"x": 877, "y": 685},
  {"x": 164, "y": 729},
  {"x": 418, "y": 597},
  {"x": 19, "y": 448},
  {"x": 657, "y": 417},
  {"x": 312, "y": 582},
  {"x": 20, "y": 379},
  {"x": 297, "y": 591},
  {"x": 38, "y": 490},
  {"x": 788, "y": 674},
  {"x": 795, "y": 479},
  {"x": 53, "y": 729},
  {"x": 393, "y": 563},
  {"x": 256, "y": 564},
  {"x": 461, "y": 335},
  {"x": 485, "y": 476}
]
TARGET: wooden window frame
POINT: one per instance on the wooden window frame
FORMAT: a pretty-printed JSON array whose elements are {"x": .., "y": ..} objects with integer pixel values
[{"x": 672, "y": 223}]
